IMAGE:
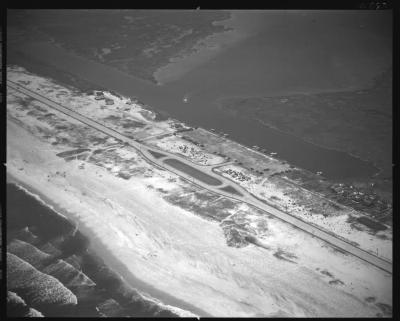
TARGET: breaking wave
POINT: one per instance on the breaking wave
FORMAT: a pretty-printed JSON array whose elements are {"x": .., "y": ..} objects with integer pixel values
[{"x": 128, "y": 301}]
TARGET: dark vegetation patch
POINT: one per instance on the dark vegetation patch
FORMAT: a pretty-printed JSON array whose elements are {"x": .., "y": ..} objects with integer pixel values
[
  {"x": 327, "y": 273},
  {"x": 286, "y": 256},
  {"x": 112, "y": 117},
  {"x": 25, "y": 102},
  {"x": 376, "y": 226},
  {"x": 206, "y": 196},
  {"x": 32, "y": 113},
  {"x": 382, "y": 236},
  {"x": 336, "y": 282},
  {"x": 70, "y": 158},
  {"x": 215, "y": 212},
  {"x": 124, "y": 175},
  {"x": 156, "y": 154},
  {"x": 235, "y": 237},
  {"x": 97, "y": 151},
  {"x": 129, "y": 123},
  {"x": 72, "y": 152},
  {"x": 40, "y": 109},
  {"x": 231, "y": 190},
  {"x": 367, "y": 197},
  {"x": 61, "y": 127}
]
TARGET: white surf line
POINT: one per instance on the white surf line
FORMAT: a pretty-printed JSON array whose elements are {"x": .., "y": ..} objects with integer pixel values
[{"x": 247, "y": 197}]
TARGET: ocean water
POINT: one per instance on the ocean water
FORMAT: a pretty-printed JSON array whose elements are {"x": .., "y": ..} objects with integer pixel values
[{"x": 24, "y": 209}]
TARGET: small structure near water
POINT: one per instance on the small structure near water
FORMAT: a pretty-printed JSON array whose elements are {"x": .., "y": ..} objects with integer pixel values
[{"x": 109, "y": 101}]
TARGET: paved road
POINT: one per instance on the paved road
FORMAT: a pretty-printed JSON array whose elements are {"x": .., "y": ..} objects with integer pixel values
[{"x": 247, "y": 197}]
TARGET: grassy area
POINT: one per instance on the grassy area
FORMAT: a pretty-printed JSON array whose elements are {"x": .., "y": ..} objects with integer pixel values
[
  {"x": 231, "y": 190},
  {"x": 380, "y": 208}
]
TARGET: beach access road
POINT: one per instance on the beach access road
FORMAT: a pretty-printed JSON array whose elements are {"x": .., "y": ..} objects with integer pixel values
[{"x": 208, "y": 175}]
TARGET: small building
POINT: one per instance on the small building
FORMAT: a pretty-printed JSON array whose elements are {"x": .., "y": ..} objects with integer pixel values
[{"x": 109, "y": 101}]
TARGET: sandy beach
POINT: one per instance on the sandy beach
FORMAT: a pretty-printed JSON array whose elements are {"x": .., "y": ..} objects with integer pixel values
[
  {"x": 97, "y": 246},
  {"x": 186, "y": 256}
]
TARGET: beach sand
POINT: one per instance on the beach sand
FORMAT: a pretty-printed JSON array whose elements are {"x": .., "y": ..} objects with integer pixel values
[{"x": 176, "y": 254}]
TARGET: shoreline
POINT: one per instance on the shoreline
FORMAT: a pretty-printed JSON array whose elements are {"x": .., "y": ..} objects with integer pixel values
[
  {"x": 35, "y": 180},
  {"x": 378, "y": 168},
  {"x": 201, "y": 52},
  {"x": 147, "y": 291},
  {"x": 154, "y": 108}
]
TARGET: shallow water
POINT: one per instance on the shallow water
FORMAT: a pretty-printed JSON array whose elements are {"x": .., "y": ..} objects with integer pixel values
[{"x": 276, "y": 53}]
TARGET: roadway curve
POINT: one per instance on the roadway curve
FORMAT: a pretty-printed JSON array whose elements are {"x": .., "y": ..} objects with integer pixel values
[{"x": 247, "y": 197}]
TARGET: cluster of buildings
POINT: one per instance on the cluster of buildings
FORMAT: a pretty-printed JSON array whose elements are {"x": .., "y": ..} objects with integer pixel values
[
  {"x": 193, "y": 152},
  {"x": 99, "y": 95},
  {"x": 351, "y": 193},
  {"x": 237, "y": 175}
]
